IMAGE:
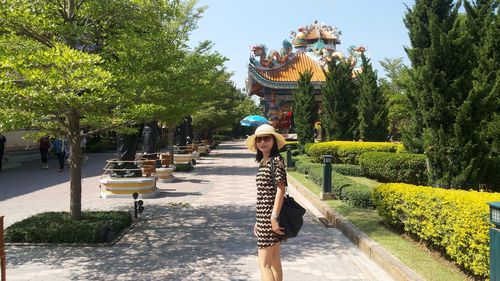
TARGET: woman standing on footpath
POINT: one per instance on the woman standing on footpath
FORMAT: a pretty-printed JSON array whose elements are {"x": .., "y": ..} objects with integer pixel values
[{"x": 266, "y": 142}]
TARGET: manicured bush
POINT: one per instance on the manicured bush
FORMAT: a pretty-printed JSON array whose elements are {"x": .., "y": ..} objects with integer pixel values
[
  {"x": 347, "y": 152},
  {"x": 357, "y": 195},
  {"x": 59, "y": 227},
  {"x": 314, "y": 170},
  {"x": 219, "y": 138},
  {"x": 394, "y": 167},
  {"x": 456, "y": 221},
  {"x": 307, "y": 146},
  {"x": 183, "y": 167},
  {"x": 295, "y": 156},
  {"x": 348, "y": 170},
  {"x": 345, "y": 189},
  {"x": 293, "y": 144}
]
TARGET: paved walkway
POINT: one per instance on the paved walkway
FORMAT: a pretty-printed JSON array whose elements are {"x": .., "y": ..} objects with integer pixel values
[{"x": 208, "y": 239}]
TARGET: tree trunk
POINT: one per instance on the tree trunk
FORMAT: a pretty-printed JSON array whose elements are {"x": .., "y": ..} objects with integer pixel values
[
  {"x": 171, "y": 141},
  {"x": 75, "y": 166},
  {"x": 70, "y": 11}
]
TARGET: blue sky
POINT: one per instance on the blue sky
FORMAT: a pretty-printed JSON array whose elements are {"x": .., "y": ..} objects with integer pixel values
[{"x": 236, "y": 25}]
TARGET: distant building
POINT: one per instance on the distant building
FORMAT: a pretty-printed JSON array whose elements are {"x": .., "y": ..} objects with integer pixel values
[{"x": 273, "y": 75}]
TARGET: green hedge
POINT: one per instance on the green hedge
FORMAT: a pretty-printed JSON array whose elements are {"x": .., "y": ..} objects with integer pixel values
[
  {"x": 394, "y": 167},
  {"x": 456, "y": 221},
  {"x": 293, "y": 144},
  {"x": 348, "y": 170},
  {"x": 219, "y": 138},
  {"x": 59, "y": 227},
  {"x": 347, "y": 152},
  {"x": 183, "y": 167},
  {"x": 345, "y": 189}
]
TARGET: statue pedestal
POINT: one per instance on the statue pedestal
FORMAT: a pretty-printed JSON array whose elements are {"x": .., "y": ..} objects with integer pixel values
[
  {"x": 183, "y": 158},
  {"x": 165, "y": 174},
  {"x": 203, "y": 149},
  {"x": 125, "y": 187},
  {"x": 196, "y": 155}
]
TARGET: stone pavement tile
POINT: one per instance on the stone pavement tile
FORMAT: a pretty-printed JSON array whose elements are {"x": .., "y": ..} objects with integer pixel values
[{"x": 208, "y": 239}]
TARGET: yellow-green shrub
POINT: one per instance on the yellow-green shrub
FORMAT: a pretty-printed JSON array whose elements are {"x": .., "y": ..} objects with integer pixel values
[
  {"x": 347, "y": 152},
  {"x": 454, "y": 220},
  {"x": 293, "y": 144}
]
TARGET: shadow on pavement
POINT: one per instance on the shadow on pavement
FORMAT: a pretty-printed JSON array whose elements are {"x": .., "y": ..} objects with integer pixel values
[
  {"x": 228, "y": 170},
  {"x": 30, "y": 177},
  {"x": 178, "y": 243},
  {"x": 164, "y": 194}
]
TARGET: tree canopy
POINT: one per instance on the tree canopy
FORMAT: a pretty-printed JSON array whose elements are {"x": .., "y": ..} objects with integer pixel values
[{"x": 100, "y": 65}]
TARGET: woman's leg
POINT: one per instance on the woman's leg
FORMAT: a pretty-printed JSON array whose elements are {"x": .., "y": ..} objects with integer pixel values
[
  {"x": 276, "y": 262},
  {"x": 270, "y": 263}
]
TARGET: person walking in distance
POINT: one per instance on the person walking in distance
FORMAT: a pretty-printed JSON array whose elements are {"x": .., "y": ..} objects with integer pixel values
[
  {"x": 83, "y": 144},
  {"x": 43, "y": 146},
  {"x": 58, "y": 148},
  {"x": 266, "y": 143},
  {"x": 3, "y": 140}
]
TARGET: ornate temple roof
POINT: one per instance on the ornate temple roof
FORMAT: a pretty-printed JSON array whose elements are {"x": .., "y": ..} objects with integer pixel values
[
  {"x": 285, "y": 76},
  {"x": 315, "y": 45}
]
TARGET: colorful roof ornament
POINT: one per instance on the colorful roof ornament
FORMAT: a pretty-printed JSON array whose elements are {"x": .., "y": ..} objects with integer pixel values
[
  {"x": 274, "y": 58},
  {"x": 315, "y": 45}
]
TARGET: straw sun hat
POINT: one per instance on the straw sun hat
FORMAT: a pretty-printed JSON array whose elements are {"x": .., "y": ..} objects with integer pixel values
[{"x": 264, "y": 130}]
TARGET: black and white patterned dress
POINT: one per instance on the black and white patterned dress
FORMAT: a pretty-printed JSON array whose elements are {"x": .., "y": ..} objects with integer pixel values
[{"x": 265, "y": 201}]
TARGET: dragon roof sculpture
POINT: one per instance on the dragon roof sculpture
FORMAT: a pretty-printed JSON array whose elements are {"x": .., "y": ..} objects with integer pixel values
[{"x": 311, "y": 48}]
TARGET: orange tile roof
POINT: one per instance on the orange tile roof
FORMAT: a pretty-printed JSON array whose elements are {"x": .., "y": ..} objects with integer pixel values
[{"x": 290, "y": 72}]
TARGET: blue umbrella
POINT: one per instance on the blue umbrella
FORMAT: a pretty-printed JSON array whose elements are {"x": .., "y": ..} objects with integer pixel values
[{"x": 253, "y": 120}]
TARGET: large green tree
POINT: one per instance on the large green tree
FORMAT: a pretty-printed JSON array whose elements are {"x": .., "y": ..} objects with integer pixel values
[
  {"x": 394, "y": 87},
  {"x": 101, "y": 65},
  {"x": 448, "y": 109},
  {"x": 227, "y": 107},
  {"x": 476, "y": 116},
  {"x": 305, "y": 109},
  {"x": 372, "y": 105},
  {"x": 339, "y": 100}
]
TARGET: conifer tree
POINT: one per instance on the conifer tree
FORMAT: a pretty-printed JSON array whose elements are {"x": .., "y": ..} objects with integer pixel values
[
  {"x": 476, "y": 115},
  {"x": 372, "y": 105},
  {"x": 339, "y": 95},
  {"x": 417, "y": 22},
  {"x": 452, "y": 112},
  {"x": 305, "y": 109}
]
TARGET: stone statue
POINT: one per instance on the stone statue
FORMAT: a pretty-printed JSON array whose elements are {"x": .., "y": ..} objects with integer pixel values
[
  {"x": 150, "y": 136},
  {"x": 126, "y": 148}
]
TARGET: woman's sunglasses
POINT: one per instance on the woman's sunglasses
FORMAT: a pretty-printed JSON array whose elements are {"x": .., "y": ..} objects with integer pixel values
[{"x": 264, "y": 138}]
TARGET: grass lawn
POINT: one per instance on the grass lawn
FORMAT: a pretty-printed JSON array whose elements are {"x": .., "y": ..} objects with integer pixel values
[
  {"x": 365, "y": 181},
  {"x": 429, "y": 266}
]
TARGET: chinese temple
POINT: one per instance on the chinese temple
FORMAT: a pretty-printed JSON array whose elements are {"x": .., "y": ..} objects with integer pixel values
[{"x": 273, "y": 75}]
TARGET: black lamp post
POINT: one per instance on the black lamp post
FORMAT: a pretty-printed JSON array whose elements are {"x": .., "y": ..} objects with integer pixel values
[
  {"x": 138, "y": 205},
  {"x": 289, "y": 161},
  {"x": 327, "y": 178}
]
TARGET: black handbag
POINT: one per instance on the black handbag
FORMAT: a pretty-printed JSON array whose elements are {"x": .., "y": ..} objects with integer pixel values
[{"x": 290, "y": 217}]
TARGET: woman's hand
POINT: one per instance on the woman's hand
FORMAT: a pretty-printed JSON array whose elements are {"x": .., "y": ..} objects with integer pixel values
[{"x": 276, "y": 227}]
